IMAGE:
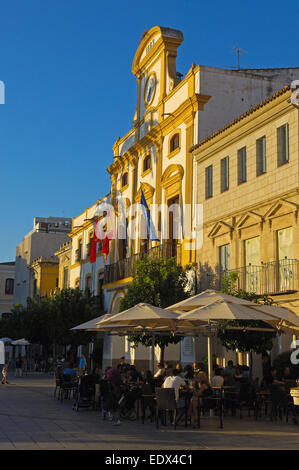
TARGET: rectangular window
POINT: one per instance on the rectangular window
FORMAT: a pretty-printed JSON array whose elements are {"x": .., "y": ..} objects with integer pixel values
[
  {"x": 242, "y": 167},
  {"x": 224, "y": 255},
  {"x": 261, "y": 156},
  {"x": 283, "y": 145},
  {"x": 209, "y": 181},
  {"x": 224, "y": 174},
  {"x": 65, "y": 277},
  {"x": 9, "y": 286}
]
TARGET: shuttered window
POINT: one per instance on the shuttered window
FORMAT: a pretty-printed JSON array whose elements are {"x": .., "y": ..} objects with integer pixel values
[
  {"x": 261, "y": 163},
  {"x": 209, "y": 181},
  {"x": 283, "y": 145},
  {"x": 224, "y": 174},
  {"x": 242, "y": 166}
]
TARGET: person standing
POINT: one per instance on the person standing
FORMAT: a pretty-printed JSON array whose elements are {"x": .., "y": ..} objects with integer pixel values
[
  {"x": 18, "y": 371},
  {"x": 82, "y": 365}
]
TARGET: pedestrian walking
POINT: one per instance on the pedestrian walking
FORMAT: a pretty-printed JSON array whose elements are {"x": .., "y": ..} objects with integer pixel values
[{"x": 4, "y": 373}]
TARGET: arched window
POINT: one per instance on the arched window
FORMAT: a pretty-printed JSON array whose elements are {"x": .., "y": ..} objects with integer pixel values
[
  {"x": 77, "y": 283},
  {"x": 9, "y": 285},
  {"x": 124, "y": 180},
  {"x": 174, "y": 142},
  {"x": 147, "y": 163}
]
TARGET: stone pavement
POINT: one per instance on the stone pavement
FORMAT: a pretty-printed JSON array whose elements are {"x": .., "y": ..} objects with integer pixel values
[{"x": 31, "y": 419}]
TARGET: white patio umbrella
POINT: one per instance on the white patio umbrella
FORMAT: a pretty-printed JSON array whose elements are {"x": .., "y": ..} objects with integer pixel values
[
  {"x": 214, "y": 306},
  {"x": 91, "y": 323},
  {"x": 142, "y": 316}
]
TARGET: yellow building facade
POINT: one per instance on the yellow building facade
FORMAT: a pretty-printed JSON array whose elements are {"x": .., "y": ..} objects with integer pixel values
[
  {"x": 158, "y": 157},
  {"x": 45, "y": 277},
  {"x": 248, "y": 185},
  {"x": 64, "y": 262}
]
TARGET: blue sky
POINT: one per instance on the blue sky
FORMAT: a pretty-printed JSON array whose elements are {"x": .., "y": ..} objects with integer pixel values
[{"x": 70, "y": 93}]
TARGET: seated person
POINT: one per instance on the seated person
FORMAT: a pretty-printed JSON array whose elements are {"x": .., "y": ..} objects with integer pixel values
[
  {"x": 287, "y": 375},
  {"x": 228, "y": 380},
  {"x": 168, "y": 368},
  {"x": 174, "y": 380},
  {"x": 229, "y": 369},
  {"x": 122, "y": 364},
  {"x": 217, "y": 380},
  {"x": 188, "y": 373},
  {"x": 161, "y": 371},
  {"x": 273, "y": 379},
  {"x": 149, "y": 379},
  {"x": 135, "y": 375},
  {"x": 200, "y": 386},
  {"x": 70, "y": 371}
]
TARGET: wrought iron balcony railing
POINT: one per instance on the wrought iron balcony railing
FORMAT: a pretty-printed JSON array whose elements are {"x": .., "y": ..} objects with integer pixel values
[
  {"x": 269, "y": 278},
  {"x": 126, "y": 267}
]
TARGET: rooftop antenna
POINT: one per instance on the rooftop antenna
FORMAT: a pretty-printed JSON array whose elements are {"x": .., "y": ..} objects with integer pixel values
[{"x": 239, "y": 51}]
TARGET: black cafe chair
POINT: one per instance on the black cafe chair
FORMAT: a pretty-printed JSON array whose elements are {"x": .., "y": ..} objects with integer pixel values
[
  {"x": 147, "y": 401},
  {"x": 165, "y": 401}
]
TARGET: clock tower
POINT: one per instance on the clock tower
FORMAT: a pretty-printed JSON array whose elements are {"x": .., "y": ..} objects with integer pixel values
[{"x": 154, "y": 66}]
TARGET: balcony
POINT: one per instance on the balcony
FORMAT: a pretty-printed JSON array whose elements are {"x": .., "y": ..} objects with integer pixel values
[
  {"x": 126, "y": 267},
  {"x": 276, "y": 277}
]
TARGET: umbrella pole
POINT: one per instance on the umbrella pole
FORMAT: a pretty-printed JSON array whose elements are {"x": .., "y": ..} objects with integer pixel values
[{"x": 153, "y": 353}]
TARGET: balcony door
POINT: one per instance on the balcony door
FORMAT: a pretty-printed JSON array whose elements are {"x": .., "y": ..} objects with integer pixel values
[
  {"x": 252, "y": 263},
  {"x": 173, "y": 205},
  {"x": 285, "y": 256}
]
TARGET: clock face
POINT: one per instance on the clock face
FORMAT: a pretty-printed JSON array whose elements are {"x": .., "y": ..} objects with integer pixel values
[{"x": 149, "y": 90}]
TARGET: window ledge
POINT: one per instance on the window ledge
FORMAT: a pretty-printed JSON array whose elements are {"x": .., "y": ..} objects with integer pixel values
[
  {"x": 283, "y": 163},
  {"x": 174, "y": 152},
  {"x": 124, "y": 188},
  {"x": 146, "y": 172}
]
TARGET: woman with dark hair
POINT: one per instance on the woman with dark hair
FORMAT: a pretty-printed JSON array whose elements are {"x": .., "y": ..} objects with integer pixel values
[{"x": 189, "y": 372}]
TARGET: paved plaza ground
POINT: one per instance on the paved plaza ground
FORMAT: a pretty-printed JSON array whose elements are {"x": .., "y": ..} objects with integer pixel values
[{"x": 31, "y": 419}]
